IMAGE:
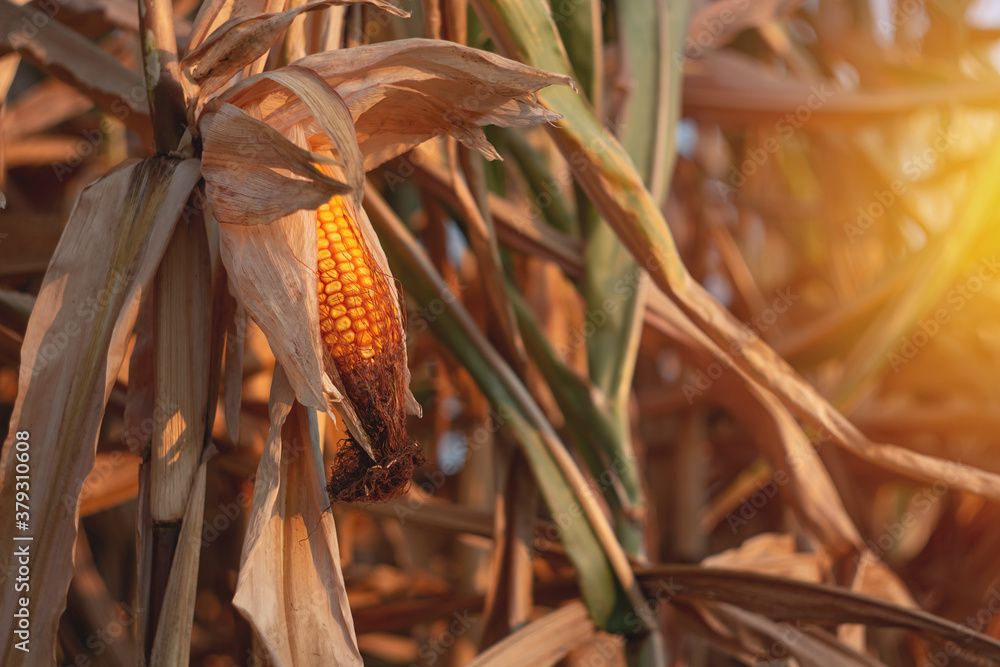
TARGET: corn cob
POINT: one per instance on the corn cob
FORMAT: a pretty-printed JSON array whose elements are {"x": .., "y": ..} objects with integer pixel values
[
  {"x": 361, "y": 327},
  {"x": 356, "y": 313}
]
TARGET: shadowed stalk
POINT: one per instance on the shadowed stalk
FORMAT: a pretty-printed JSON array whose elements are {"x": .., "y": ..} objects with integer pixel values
[
  {"x": 182, "y": 309},
  {"x": 162, "y": 74}
]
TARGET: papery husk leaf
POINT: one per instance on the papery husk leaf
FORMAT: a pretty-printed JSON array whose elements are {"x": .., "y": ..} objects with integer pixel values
[
  {"x": 271, "y": 270},
  {"x": 172, "y": 645},
  {"x": 242, "y": 40},
  {"x": 88, "y": 303},
  {"x": 324, "y": 108},
  {"x": 403, "y": 92},
  {"x": 290, "y": 586},
  {"x": 239, "y": 161}
]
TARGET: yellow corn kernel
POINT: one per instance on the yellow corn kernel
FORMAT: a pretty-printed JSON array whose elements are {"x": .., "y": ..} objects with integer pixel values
[{"x": 358, "y": 317}]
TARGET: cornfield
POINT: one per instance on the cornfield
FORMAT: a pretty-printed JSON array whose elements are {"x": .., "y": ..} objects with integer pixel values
[{"x": 499, "y": 332}]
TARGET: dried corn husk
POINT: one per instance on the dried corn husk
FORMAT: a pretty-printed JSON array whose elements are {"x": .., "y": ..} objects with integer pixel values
[{"x": 290, "y": 587}]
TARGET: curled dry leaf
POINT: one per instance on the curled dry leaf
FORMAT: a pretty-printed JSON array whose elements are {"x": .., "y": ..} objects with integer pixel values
[
  {"x": 244, "y": 146},
  {"x": 772, "y": 553},
  {"x": 244, "y": 163},
  {"x": 775, "y": 554},
  {"x": 404, "y": 92},
  {"x": 290, "y": 586},
  {"x": 325, "y": 108},
  {"x": 241, "y": 40}
]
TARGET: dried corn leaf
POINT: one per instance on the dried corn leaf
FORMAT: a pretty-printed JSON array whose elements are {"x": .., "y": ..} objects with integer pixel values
[
  {"x": 783, "y": 599},
  {"x": 778, "y": 435},
  {"x": 290, "y": 587},
  {"x": 757, "y": 640},
  {"x": 182, "y": 304},
  {"x": 733, "y": 89},
  {"x": 74, "y": 346},
  {"x": 403, "y": 92},
  {"x": 543, "y": 642},
  {"x": 873, "y": 577},
  {"x": 241, "y": 40}
]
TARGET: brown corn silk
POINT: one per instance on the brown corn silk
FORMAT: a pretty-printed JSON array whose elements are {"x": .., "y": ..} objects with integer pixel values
[{"x": 361, "y": 328}]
